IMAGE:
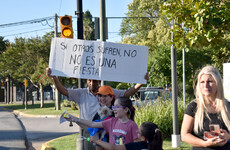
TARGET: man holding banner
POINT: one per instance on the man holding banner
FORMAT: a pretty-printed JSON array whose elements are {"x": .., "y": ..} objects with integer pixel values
[
  {"x": 96, "y": 61},
  {"x": 87, "y": 98}
]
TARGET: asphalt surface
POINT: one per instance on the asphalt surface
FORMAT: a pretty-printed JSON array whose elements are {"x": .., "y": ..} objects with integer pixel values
[
  {"x": 30, "y": 132},
  {"x": 12, "y": 133}
]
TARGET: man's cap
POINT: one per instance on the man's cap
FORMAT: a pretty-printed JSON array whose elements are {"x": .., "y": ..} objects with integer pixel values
[{"x": 105, "y": 90}]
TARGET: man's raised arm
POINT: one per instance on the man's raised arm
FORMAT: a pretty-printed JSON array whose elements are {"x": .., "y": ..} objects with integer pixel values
[
  {"x": 131, "y": 91},
  {"x": 57, "y": 83}
]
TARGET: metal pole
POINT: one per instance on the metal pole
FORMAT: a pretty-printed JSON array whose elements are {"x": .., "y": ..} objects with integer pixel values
[
  {"x": 11, "y": 91},
  {"x": 102, "y": 20},
  {"x": 102, "y": 24},
  {"x": 25, "y": 97},
  {"x": 55, "y": 25},
  {"x": 184, "y": 96},
  {"x": 8, "y": 90},
  {"x": 79, "y": 13},
  {"x": 57, "y": 94},
  {"x": 183, "y": 54},
  {"x": 176, "y": 135}
]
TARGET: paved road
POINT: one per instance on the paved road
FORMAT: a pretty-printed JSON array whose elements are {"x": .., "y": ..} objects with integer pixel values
[
  {"x": 12, "y": 134},
  {"x": 41, "y": 130},
  {"x": 17, "y": 132}
]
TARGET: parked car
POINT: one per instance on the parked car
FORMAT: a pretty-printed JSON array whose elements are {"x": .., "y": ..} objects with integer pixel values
[{"x": 150, "y": 94}]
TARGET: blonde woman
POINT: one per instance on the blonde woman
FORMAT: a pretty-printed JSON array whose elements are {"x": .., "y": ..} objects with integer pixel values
[{"x": 209, "y": 107}]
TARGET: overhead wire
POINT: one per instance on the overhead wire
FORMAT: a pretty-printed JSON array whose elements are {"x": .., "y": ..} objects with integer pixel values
[
  {"x": 21, "y": 29},
  {"x": 33, "y": 21},
  {"x": 60, "y": 7},
  {"x": 26, "y": 32},
  {"x": 26, "y": 22},
  {"x": 46, "y": 19}
]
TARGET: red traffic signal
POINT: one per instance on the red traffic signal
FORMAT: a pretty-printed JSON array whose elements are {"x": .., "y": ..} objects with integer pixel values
[{"x": 66, "y": 26}]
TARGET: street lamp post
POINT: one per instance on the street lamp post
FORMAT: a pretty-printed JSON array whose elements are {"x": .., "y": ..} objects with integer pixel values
[{"x": 176, "y": 134}]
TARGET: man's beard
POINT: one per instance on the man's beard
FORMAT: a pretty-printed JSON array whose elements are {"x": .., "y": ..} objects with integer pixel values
[{"x": 94, "y": 89}]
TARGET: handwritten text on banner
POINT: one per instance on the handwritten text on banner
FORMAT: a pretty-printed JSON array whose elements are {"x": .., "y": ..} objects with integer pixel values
[{"x": 98, "y": 60}]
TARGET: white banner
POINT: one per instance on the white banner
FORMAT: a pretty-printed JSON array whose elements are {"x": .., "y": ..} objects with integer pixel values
[
  {"x": 226, "y": 80},
  {"x": 98, "y": 60}
]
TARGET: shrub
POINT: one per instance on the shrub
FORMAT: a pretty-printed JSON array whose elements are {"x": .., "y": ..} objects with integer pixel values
[
  {"x": 65, "y": 103},
  {"x": 160, "y": 112},
  {"x": 71, "y": 104}
]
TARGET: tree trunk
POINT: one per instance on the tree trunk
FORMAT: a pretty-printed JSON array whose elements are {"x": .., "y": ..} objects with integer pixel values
[{"x": 42, "y": 95}]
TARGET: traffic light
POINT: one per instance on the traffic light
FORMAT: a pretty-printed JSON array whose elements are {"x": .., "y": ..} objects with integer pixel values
[
  {"x": 66, "y": 26},
  {"x": 26, "y": 83}
]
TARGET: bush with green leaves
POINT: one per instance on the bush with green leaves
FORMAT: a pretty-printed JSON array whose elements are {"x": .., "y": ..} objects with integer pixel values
[
  {"x": 65, "y": 103},
  {"x": 71, "y": 104},
  {"x": 160, "y": 112}
]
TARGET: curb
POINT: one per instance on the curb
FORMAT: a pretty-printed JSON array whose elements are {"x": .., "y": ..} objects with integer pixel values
[
  {"x": 16, "y": 112},
  {"x": 38, "y": 116},
  {"x": 45, "y": 146}
]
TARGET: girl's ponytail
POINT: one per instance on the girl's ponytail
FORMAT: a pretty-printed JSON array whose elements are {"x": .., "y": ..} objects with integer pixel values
[
  {"x": 156, "y": 143},
  {"x": 152, "y": 135},
  {"x": 132, "y": 112}
]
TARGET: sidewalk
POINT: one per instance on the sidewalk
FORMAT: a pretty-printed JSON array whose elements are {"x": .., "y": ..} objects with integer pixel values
[{"x": 12, "y": 133}]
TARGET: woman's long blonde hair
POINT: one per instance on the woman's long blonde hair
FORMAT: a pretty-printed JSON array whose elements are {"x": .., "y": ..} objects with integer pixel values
[{"x": 202, "y": 108}]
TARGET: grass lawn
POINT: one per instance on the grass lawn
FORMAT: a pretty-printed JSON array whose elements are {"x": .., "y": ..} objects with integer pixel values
[
  {"x": 49, "y": 109},
  {"x": 167, "y": 145},
  {"x": 69, "y": 142}
]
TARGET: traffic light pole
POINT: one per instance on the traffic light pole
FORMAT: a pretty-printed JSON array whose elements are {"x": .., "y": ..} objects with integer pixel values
[
  {"x": 57, "y": 94},
  {"x": 8, "y": 90},
  {"x": 79, "y": 13},
  {"x": 55, "y": 25},
  {"x": 102, "y": 20},
  {"x": 102, "y": 25},
  {"x": 26, "y": 98}
]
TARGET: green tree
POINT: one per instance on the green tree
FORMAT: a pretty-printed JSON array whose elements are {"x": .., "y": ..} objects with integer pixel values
[
  {"x": 205, "y": 22},
  {"x": 3, "y": 44},
  {"x": 27, "y": 59},
  {"x": 222, "y": 52},
  {"x": 142, "y": 27},
  {"x": 141, "y": 18},
  {"x": 88, "y": 26},
  {"x": 156, "y": 34}
]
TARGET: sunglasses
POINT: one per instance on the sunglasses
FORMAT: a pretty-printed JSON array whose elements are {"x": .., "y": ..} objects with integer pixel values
[{"x": 115, "y": 107}]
